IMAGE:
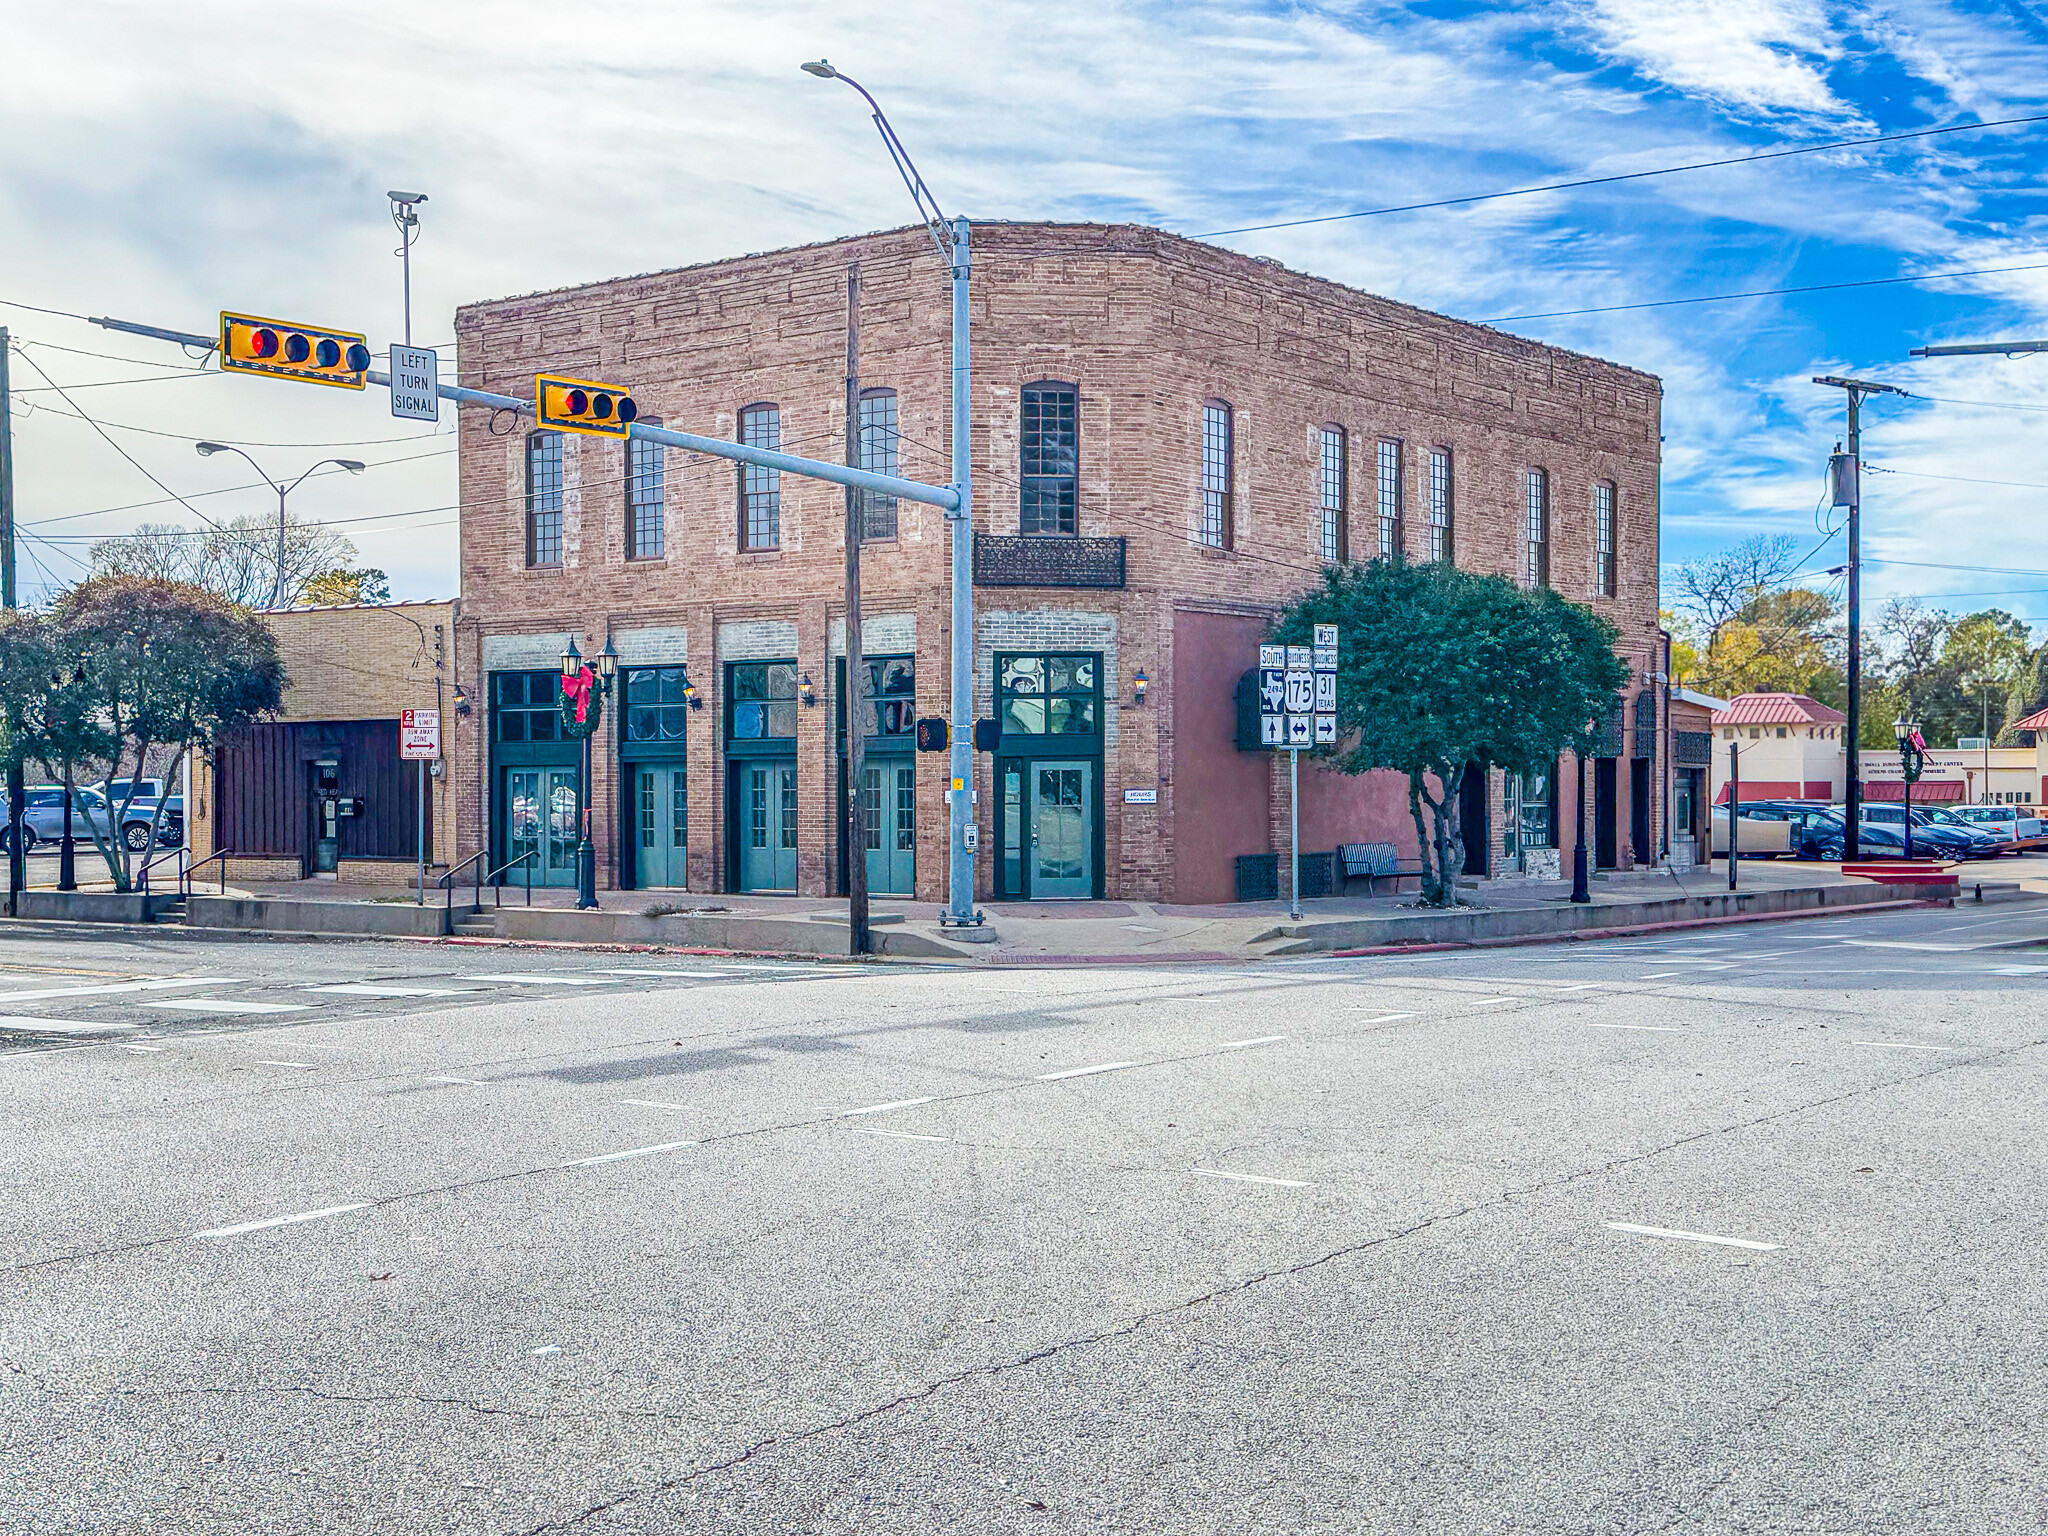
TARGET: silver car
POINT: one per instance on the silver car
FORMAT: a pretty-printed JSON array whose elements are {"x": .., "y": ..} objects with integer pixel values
[{"x": 42, "y": 817}]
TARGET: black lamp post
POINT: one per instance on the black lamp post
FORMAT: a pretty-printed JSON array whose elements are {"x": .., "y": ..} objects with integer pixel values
[
  {"x": 1912, "y": 762},
  {"x": 1580, "y": 892},
  {"x": 583, "y": 690}
]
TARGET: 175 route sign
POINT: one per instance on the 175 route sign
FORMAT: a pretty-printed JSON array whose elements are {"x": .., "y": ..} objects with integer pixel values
[{"x": 1298, "y": 692}]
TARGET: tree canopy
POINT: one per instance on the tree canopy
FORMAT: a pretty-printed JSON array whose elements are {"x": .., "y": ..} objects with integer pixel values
[
  {"x": 237, "y": 560},
  {"x": 1439, "y": 668}
]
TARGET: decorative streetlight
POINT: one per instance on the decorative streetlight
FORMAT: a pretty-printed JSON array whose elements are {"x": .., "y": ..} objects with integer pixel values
[
  {"x": 582, "y": 707},
  {"x": 353, "y": 466},
  {"x": 1912, "y": 763}
]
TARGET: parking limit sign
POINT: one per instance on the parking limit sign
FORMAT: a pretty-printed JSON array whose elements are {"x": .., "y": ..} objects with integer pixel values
[{"x": 419, "y": 735}]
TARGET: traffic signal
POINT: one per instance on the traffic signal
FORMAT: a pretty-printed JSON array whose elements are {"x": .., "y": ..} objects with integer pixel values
[
  {"x": 579, "y": 405},
  {"x": 988, "y": 735},
  {"x": 283, "y": 350},
  {"x": 933, "y": 734}
]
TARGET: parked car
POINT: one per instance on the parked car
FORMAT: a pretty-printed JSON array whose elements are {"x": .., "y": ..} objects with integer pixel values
[
  {"x": 42, "y": 818},
  {"x": 1822, "y": 839},
  {"x": 170, "y": 826},
  {"x": 2015, "y": 825},
  {"x": 1946, "y": 839}
]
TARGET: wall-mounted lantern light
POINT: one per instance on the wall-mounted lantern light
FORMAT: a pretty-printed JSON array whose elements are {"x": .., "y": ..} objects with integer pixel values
[{"x": 1139, "y": 683}]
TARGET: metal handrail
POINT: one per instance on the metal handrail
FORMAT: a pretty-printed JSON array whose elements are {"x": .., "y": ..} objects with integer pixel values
[
  {"x": 180, "y": 854},
  {"x": 447, "y": 881},
  {"x": 185, "y": 875}
]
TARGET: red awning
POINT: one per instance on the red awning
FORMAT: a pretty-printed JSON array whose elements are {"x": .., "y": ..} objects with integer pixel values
[
  {"x": 1765, "y": 789},
  {"x": 1926, "y": 792}
]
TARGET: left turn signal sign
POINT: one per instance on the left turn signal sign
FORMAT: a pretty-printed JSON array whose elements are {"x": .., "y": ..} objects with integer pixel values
[{"x": 282, "y": 349}]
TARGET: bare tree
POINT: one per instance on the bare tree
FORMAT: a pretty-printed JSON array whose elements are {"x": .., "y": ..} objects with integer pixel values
[
  {"x": 238, "y": 560},
  {"x": 1719, "y": 587}
]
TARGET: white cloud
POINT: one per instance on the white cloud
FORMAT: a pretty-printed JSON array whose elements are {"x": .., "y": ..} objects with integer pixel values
[{"x": 1760, "y": 54}]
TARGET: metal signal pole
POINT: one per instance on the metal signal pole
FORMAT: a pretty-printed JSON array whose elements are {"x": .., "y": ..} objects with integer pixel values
[
  {"x": 853, "y": 695},
  {"x": 1848, "y": 492},
  {"x": 17, "y": 866}
]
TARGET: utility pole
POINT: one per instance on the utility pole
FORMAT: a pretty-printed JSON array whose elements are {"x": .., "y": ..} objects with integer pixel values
[
  {"x": 1848, "y": 492},
  {"x": 405, "y": 214},
  {"x": 17, "y": 865},
  {"x": 854, "y": 694},
  {"x": 1983, "y": 348}
]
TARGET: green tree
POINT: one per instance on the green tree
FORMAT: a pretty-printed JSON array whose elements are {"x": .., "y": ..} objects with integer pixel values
[
  {"x": 1778, "y": 642},
  {"x": 132, "y": 664},
  {"x": 1440, "y": 668},
  {"x": 342, "y": 585},
  {"x": 1989, "y": 653}
]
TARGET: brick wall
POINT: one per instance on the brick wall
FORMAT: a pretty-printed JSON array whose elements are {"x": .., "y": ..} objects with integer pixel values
[{"x": 1146, "y": 326}]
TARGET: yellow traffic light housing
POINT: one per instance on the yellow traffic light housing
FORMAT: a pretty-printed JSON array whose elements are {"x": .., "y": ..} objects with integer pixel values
[
  {"x": 283, "y": 350},
  {"x": 582, "y": 405}
]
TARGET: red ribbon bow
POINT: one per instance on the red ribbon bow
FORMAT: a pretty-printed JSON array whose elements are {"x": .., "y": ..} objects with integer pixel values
[{"x": 577, "y": 688}]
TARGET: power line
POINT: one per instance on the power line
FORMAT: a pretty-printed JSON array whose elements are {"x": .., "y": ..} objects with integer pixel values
[
  {"x": 1598, "y": 181},
  {"x": 1764, "y": 293},
  {"x": 1921, "y": 474},
  {"x": 26, "y": 358}
]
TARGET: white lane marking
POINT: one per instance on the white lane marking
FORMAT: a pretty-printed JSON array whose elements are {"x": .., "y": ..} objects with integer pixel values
[
  {"x": 548, "y": 1349},
  {"x": 56, "y": 1026},
  {"x": 1385, "y": 1018},
  {"x": 619, "y": 1157},
  {"x": 465, "y": 1082},
  {"x": 1250, "y": 1178},
  {"x": 1656, "y": 975},
  {"x": 1900, "y": 1045},
  {"x": 1234, "y": 1045},
  {"x": 1663, "y": 1029},
  {"x": 1582, "y": 986},
  {"x": 876, "y": 1109},
  {"x": 1693, "y": 1237},
  {"x": 536, "y": 979},
  {"x": 901, "y": 1135},
  {"x": 284, "y": 1063},
  {"x": 282, "y": 1221},
  {"x": 620, "y": 970},
  {"x": 379, "y": 989},
  {"x": 1107, "y": 1066},
  {"x": 7, "y": 999},
  {"x": 653, "y": 1104},
  {"x": 223, "y": 1005},
  {"x": 152, "y": 1048},
  {"x": 1938, "y": 949},
  {"x": 2019, "y": 970},
  {"x": 1483, "y": 1002}
]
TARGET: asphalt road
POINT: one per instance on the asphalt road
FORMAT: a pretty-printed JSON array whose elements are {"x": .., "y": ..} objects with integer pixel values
[{"x": 1734, "y": 1230}]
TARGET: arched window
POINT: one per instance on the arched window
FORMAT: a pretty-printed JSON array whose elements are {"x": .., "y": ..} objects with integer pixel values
[
  {"x": 544, "y": 499},
  {"x": 878, "y": 453},
  {"x": 760, "y": 489},
  {"x": 1049, "y": 459},
  {"x": 1334, "y": 485},
  {"x": 1219, "y": 514}
]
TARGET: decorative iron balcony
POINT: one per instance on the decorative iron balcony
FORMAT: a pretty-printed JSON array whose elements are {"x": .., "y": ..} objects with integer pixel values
[{"x": 1015, "y": 561}]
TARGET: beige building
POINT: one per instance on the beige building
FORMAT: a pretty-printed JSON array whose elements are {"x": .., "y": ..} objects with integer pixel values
[
  {"x": 1788, "y": 747},
  {"x": 321, "y": 791}
]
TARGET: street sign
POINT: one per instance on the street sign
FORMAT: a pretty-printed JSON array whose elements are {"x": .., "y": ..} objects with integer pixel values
[
  {"x": 1298, "y": 692},
  {"x": 419, "y": 735},
  {"x": 1272, "y": 657},
  {"x": 415, "y": 373},
  {"x": 1326, "y": 637}
]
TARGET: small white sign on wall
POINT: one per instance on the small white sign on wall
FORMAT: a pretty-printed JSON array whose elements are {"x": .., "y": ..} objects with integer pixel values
[{"x": 1141, "y": 797}]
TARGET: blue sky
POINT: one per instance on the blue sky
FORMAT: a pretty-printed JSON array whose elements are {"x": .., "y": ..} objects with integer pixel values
[{"x": 167, "y": 162}]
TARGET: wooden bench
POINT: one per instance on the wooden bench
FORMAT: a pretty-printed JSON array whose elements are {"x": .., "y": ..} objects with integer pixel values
[
  {"x": 1373, "y": 862},
  {"x": 1899, "y": 872}
]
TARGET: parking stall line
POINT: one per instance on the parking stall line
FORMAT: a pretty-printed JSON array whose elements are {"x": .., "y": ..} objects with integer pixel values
[
  {"x": 630, "y": 1152},
  {"x": 1662, "y": 1029},
  {"x": 876, "y": 1109},
  {"x": 110, "y": 989},
  {"x": 1107, "y": 1066},
  {"x": 298, "y": 1064},
  {"x": 1901, "y": 1045},
  {"x": 537, "y": 979},
  {"x": 899, "y": 1135},
  {"x": 1250, "y": 1178},
  {"x": 1385, "y": 1018},
  {"x": 282, "y": 1221},
  {"x": 224, "y": 1005},
  {"x": 1238, "y": 1045},
  {"x": 653, "y": 1104},
  {"x": 1693, "y": 1237},
  {"x": 27, "y": 1021},
  {"x": 380, "y": 989}
]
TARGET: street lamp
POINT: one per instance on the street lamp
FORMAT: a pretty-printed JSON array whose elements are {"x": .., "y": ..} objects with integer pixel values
[
  {"x": 1912, "y": 762},
  {"x": 583, "y": 690},
  {"x": 353, "y": 466},
  {"x": 951, "y": 242}
]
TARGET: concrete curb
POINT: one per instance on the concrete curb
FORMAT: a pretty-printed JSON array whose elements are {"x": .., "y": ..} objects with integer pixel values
[{"x": 1669, "y": 927}]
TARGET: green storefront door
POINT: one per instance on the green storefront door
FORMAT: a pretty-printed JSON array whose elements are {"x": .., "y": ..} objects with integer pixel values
[
  {"x": 1062, "y": 856},
  {"x": 767, "y": 825},
  {"x": 660, "y": 825},
  {"x": 889, "y": 797},
  {"x": 540, "y": 819}
]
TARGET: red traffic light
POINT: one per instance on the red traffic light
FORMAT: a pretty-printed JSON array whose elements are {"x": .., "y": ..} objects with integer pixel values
[
  {"x": 576, "y": 402},
  {"x": 281, "y": 349},
  {"x": 263, "y": 343}
]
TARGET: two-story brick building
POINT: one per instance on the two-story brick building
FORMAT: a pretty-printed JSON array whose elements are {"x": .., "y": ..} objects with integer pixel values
[{"x": 1169, "y": 440}]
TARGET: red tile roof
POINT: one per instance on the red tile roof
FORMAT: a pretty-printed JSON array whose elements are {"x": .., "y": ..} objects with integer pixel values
[{"x": 1777, "y": 709}]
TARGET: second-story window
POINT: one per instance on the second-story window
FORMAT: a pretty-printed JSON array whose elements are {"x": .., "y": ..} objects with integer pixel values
[
  {"x": 760, "y": 489},
  {"x": 544, "y": 498},
  {"x": 878, "y": 453},
  {"x": 1049, "y": 459},
  {"x": 1335, "y": 478},
  {"x": 1536, "y": 568},
  {"x": 1603, "y": 539},
  {"x": 646, "y": 463},
  {"x": 1393, "y": 540},
  {"x": 1219, "y": 515},
  {"x": 1441, "y": 544}
]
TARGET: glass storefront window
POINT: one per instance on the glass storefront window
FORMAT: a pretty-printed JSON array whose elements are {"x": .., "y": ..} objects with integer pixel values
[
  {"x": 655, "y": 707},
  {"x": 763, "y": 701},
  {"x": 890, "y": 708},
  {"x": 1534, "y": 795},
  {"x": 524, "y": 706},
  {"x": 1056, "y": 695}
]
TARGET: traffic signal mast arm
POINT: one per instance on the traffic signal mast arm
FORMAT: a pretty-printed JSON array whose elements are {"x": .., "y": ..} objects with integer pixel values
[{"x": 942, "y": 496}]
